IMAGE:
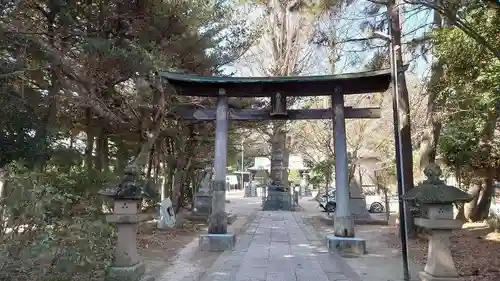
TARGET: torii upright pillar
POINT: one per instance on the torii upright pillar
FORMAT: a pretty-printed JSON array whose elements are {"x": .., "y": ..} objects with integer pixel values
[
  {"x": 343, "y": 240},
  {"x": 218, "y": 239},
  {"x": 343, "y": 221}
]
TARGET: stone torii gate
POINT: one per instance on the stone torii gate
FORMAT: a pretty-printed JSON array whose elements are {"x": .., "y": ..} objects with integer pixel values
[{"x": 278, "y": 88}]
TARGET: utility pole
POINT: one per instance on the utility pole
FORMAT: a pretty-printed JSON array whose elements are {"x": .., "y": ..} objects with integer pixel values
[
  {"x": 402, "y": 131},
  {"x": 403, "y": 105}
]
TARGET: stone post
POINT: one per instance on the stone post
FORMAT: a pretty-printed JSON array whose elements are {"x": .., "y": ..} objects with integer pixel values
[
  {"x": 217, "y": 238},
  {"x": 127, "y": 197}
]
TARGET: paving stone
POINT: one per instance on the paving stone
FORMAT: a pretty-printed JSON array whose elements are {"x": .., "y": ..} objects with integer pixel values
[
  {"x": 280, "y": 276},
  {"x": 305, "y": 274},
  {"x": 276, "y": 247}
]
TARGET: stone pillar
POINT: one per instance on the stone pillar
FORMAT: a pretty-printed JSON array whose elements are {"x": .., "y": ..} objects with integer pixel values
[
  {"x": 440, "y": 264},
  {"x": 126, "y": 265},
  {"x": 277, "y": 197},
  {"x": 218, "y": 218},
  {"x": 218, "y": 239},
  {"x": 278, "y": 143},
  {"x": 439, "y": 258},
  {"x": 343, "y": 220}
]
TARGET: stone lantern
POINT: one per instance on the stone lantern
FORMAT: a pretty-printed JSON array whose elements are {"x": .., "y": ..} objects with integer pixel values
[
  {"x": 203, "y": 198},
  {"x": 436, "y": 199},
  {"x": 127, "y": 196}
]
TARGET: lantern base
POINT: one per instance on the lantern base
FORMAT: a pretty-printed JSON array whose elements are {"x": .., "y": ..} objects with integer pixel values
[{"x": 424, "y": 276}]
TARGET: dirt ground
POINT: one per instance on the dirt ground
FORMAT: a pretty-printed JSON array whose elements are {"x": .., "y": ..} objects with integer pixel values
[
  {"x": 160, "y": 247},
  {"x": 475, "y": 251}
]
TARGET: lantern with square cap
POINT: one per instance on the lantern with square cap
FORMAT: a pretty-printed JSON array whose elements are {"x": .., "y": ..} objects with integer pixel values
[
  {"x": 436, "y": 200},
  {"x": 127, "y": 196}
]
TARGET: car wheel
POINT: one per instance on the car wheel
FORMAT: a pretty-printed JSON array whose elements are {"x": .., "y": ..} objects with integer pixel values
[
  {"x": 330, "y": 207},
  {"x": 376, "y": 207}
]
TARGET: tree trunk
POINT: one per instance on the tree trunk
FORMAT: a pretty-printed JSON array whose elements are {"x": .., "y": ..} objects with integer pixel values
[
  {"x": 152, "y": 135},
  {"x": 180, "y": 178},
  {"x": 157, "y": 168},
  {"x": 394, "y": 8},
  {"x": 169, "y": 163},
  {"x": 168, "y": 186},
  {"x": 150, "y": 163},
  {"x": 478, "y": 209},
  {"x": 482, "y": 192},
  {"x": 185, "y": 190},
  {"x": 43, "y": 133},
  {"x": 102, "y": 152},
  {"x": 177, "y": 186},
  {"x": 3, "y": 181},
  {"x": 121, "y": 154},
  {"x": 431, "y": 133},
  {"x": 471, "y": 206},
  {"x": 483, "y": 206},
  {"x": 89, "y": 148},
  {"x": 461, "y": 212}
]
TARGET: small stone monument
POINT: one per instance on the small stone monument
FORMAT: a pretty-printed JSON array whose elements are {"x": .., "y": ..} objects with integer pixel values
[
  {"x": 251, "y": 188},
  {"x": 305, "y": 184},
  {"x": 436, "y": 199},
  {"x": 262, "y": 177},
  {"x": 278, "y": 102},
  {"x": 167, "y": 214},
  {"x": 203, "y": 198},
  {"x": 357, "y": 202},
  {"x": 127, "y": 197}
]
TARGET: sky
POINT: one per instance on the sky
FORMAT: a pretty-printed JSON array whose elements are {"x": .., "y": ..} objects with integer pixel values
[{"x": 350, "y": 59}]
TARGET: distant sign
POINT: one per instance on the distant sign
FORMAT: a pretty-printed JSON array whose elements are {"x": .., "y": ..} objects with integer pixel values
[
  {"x": 295, "y": 162},
  {"x": 262, "y": 162}
]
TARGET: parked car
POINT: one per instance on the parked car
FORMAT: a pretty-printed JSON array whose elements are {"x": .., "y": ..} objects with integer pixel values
[
  {"x": 374, "y": 203},
  {"x": 495, "y": 209}
]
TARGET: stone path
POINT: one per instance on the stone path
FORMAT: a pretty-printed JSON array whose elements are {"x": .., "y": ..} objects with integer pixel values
[{"x": 278, "y": 247}]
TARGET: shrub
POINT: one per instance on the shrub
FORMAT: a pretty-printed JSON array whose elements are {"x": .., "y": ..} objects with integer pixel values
[{"x": 52, "y": 228}]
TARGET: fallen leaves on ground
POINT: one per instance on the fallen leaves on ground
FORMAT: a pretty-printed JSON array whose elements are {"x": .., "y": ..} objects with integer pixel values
[
  {"x": 475, "y": 251},
  {"x": 149, "y": 236},
  {"x": 159, "y": 248}
]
